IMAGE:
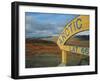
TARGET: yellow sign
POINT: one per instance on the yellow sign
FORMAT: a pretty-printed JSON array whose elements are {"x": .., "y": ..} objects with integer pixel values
[
  {"x": 79, "y": 24},
  {"x": 76, "y": 49}
]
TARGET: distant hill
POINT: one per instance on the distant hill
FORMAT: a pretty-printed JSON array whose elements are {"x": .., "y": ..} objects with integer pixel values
[
  {"x": 46, "y": 38},
  {"x": 51, "y": 38},
  {"x": 39, "y": 41},
  {"x": 82, "y": 37}
]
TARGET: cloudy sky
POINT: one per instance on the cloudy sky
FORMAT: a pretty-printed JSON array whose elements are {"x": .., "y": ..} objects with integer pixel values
[{"x": 45, "y": 24}]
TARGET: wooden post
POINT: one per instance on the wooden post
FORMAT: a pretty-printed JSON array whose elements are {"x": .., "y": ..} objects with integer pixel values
[{"x": 64, "y": 58}]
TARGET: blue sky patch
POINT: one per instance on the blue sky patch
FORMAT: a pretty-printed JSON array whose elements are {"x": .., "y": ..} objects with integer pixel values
[{"x": 45, "y": 24}]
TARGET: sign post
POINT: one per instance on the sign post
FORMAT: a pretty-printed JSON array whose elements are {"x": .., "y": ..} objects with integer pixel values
[{"x": 64, "y": 57}]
